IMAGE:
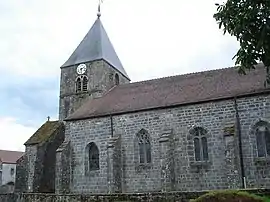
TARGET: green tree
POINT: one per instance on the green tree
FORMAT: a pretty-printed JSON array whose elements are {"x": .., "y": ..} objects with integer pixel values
[{"x": 249, "y": 22}]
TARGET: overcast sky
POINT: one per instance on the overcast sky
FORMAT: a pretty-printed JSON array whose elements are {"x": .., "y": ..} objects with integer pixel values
[{"x": 153, "y": 38}]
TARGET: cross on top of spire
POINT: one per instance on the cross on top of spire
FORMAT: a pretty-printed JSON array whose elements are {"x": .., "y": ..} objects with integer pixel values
[
  {"x": 96, "y": 45},
  {"x": 99, "y": 5}
]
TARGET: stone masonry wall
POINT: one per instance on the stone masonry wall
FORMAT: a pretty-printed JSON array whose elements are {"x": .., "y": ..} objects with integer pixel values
[
  {"x": 252, "y": 110},
  {"x": 36, "y": 170},
  {"x": 101, "y": 79},
  {"x": 63, "y": 168},
  {"x": 232, "y": 161},
  {"x": 189, "y": 175},
  {"x": 114, "y": 159},
  {"x": 167, "y": 160},
  {"x": 47, "y": 159},
  {"x": 142, "y": 197},
  {"x": 21, "y": 175},
  {"x": 222, "y": 171},
  {"x": 31, "y": 156},
  {"x": 80, "y": 134}
]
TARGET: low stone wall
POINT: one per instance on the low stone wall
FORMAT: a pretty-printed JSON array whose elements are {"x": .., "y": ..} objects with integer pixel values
[{"x": 142, "y": 197}]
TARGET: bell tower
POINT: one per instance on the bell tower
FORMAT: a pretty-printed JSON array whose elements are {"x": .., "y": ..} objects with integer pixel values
[{"x": 91, "y": 70}]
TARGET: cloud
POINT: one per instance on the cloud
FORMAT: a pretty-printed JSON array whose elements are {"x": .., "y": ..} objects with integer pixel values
[
  {"x": 148, "y": 35},
  {"x": 153, "y": 38},
  {"x": 14, "y": 135},
  {"x": 29, "y": 99}
]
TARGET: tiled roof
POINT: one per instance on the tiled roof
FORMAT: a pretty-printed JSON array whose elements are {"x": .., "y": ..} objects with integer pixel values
[
  {"x": 175, "y": 90},
  {"x": 44, "y": 132},
  {"x": 10, "y": 157},
  {"x": 96, "y": 45}
]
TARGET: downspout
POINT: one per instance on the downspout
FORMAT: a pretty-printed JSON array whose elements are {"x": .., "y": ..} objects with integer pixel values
[
  {"x": 238, "y": 130},
  {"x": 111, "y": 125}
]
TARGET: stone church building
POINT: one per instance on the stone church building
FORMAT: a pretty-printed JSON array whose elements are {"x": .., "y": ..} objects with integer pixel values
[{"x": 198, "y": 131}]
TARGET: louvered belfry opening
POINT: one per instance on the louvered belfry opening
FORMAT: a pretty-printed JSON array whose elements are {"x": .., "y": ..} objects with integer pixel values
[
  {"x": 81, "y": 84},
  {"x": 78, "y": 85},
  {"x": 85, "y": 84}
]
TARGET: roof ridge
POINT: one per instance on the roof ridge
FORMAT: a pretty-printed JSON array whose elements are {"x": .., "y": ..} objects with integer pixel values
[
  {"x": 159, "y": 93},
  {"x": 44, "y": 132},
  {"x": 52, "y": 121},
  {"x": 193, "y": 73},
  {"x": 11, "y": 151},
  {"x": 186, "y": 74},
  {"x": 101, "y": 41}
]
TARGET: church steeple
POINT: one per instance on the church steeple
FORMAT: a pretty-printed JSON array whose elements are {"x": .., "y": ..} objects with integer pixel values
[
  {"x": 96, "y": 45},
  {"x": 91, "y": 70}
]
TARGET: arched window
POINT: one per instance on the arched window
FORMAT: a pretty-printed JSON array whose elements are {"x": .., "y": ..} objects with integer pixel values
[
  {"x": 200, "y": 144},
  {"x": 262, "y": 132},
  {"x": 116, "y": 79},
  {"x": 85, "y": 84},
  {"x": 78, "y": 84},
  {"x": 82, "y": 84},
  {"x": 144, "y": 147},
  {"x": 93, "y": 156}
]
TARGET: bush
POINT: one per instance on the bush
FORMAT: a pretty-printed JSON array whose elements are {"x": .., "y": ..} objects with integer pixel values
[{"x": 230, "y": 196}]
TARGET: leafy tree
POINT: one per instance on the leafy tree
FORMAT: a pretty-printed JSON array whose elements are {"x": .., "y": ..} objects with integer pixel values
[{"x": 249, "y": 22}]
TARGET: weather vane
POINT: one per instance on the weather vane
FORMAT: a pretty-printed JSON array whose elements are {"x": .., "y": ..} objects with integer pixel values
[{"x": 99, "y": 4}]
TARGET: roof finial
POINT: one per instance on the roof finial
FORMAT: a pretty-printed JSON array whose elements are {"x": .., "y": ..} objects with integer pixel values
[{"x": 99, "y": 12}]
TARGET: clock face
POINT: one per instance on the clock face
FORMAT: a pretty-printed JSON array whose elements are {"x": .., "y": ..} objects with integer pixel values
[{"x": 81, "y": 69}]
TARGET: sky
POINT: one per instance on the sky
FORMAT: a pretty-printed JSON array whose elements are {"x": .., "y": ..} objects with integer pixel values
[{"x": 153, "y": 38}]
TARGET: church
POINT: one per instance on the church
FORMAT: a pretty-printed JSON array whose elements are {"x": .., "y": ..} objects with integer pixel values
[{"x": 208, "y": 130}]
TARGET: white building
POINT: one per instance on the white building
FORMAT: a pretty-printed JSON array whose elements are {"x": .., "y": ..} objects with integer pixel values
[{"x": 8, "y": 161}]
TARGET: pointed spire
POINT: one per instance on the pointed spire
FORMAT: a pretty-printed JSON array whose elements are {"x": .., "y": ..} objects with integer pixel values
[{"x": 96, "y": 45}]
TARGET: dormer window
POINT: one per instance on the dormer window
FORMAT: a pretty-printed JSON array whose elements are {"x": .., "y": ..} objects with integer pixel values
[{"x": 81, "y": 84}]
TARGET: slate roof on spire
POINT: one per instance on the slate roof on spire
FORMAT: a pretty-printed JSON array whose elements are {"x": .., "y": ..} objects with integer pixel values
[{"x": 96, "y": 45}]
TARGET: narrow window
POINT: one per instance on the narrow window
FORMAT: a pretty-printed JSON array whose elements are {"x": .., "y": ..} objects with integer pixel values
[
  {"x": 262, "y": 132},
  {"x": 144, "y": 147},
  {"x": 12, "y": 171},
  {"x": 197, "y": 149},
  {"x": 200, "y": 144},
  {"x": 116, "y": 79},
  {"x": 84, "y": 84},
  {"x": 66, "y": 108},
  {"x": 267, "y": 141},
  {"x": 142, "y": 152},
  {"x": 78, "y": 85},
  {"x": 148, "y": 151},
  {"x": 93, "y": 157},
  {"x": 204, "y": 148},
  {"x": 260, "y": 143}
]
